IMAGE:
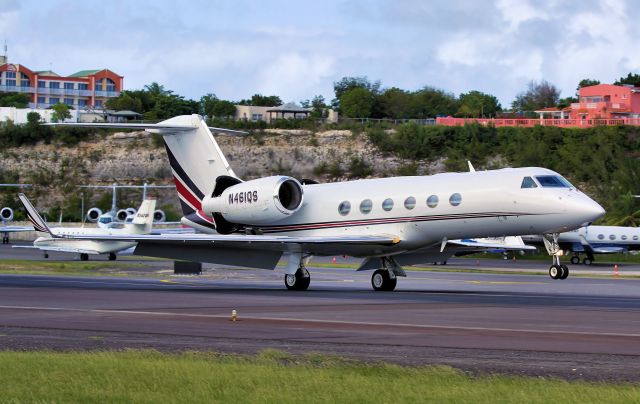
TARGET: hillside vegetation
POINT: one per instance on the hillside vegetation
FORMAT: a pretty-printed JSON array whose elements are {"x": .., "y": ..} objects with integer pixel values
[{"x": 602, "y": 161}]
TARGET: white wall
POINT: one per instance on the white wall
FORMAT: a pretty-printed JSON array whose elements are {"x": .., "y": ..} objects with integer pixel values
[{"x": 19, "y": 115}]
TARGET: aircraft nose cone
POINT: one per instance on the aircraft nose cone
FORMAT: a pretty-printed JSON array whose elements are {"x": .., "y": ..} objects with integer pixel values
[{"x": 591, "y": 210}]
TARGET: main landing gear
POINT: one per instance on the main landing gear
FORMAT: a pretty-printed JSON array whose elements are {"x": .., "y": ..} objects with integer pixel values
[
  {"x": 112, "y": 256},
  {"x": 5, "y": 238},
  {"x": 297, "y": 276},
  {"x": 385, "y": 279},
  {"x": 556, "y": 270},
  {"x": 588, "y": 260},
  {"x": 84, "y": 257}
]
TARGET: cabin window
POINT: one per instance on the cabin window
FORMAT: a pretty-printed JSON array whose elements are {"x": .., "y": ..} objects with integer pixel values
[
  {"x": 553, "y": 181},
  {"x": 528, "y": 182},
  {"x": 410, "y": 203},
  {"x": 432, "y": 201},
  {"x": 455, "y": 199},
  {"x": 344, "y": 208},
  {"x": 612, "y": 236},
  {"x": 387, "y": 204},
  {"x": 365, "y": 206},
  {"x": 600, "y": 236},
  {"x": 624, "y": 237}
]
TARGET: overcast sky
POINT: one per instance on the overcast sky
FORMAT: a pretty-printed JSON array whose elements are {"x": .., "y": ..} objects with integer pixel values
[{"x": 297, "y": 49}]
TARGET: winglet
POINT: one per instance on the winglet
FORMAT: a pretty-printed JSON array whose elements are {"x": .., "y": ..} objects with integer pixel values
[
  {"x": 34, "y": 216},
  {"x": 471, "y": 169}
]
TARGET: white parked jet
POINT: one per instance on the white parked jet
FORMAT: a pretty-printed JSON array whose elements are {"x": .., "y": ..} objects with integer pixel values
[
  {"x": 60, "y": 239},
  {"x": 389, "y": 221},
  {"x": 6, "y": 216},
  {"x": 591, "y": 240}
]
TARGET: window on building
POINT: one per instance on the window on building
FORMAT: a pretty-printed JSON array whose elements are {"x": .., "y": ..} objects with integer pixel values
[
  {"x": 10, "y": 75},
  {"x": 111, "y": 86},
  {"x": 42, "y": 100},
  {"x": 98, "y": 103},
  {"x": 344, "y": 208},
  {"x": 432, "y": 201},
  {"x": 410, "y": 202},
  {"x": 68, "y": 101},
  {"x": 42, "y": 84},
  {"x": 25, "y": 83},
  {"x": 82, "y": 103},
  {"x": 366, "y": 206},
  {"x": 256, "y": 117},
  {"x": 387, "y": 204},
  {"x": 68, "y": 86},
  {"x": 83, "y": 86},
  {"x": 455, "y": 199},
  {"x": 54, "y": 84},
  {"x": 10, "y": 82},
  {"x": 54, "y": 100}
]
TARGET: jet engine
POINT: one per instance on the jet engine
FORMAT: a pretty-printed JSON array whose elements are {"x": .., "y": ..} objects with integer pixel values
[
  {"x": 131, "y": 211},
  {"x": 159, "y": 216},
  {"x": 122, "y": 214},
  {"x": 93, "y": 214},
  {"x": 6, "y": 214},
  {"x": 257, "y": 202}
]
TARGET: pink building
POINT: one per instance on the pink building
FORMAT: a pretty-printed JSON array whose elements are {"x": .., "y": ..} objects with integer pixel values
[{"x": 602, "y": 101}]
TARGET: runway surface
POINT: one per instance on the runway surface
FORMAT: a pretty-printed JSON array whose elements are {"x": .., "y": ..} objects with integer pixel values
[{"x": 525, "y": 324}]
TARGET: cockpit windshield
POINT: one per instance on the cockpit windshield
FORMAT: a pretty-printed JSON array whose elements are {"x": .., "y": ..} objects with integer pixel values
[
  {"x": 528, "y": 182},
  {"x": 105, "y": 220},
  {"x": 553, "y": 181}
]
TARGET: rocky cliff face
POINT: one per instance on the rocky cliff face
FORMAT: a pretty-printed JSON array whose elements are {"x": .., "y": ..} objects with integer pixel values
[{"x": 132, "y": 158}]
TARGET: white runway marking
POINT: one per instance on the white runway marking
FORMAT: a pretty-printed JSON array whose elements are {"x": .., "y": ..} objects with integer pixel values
[{"x": 317, "y": 321}]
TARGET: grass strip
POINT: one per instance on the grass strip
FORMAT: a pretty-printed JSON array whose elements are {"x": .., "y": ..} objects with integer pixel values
[
  {"x": 97, "y": 268},
  {"x": 270, "y": 377}
]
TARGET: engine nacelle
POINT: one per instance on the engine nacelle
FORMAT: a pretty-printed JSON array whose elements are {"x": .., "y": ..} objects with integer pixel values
[
  {"x": 131, "y": 211},
  {"x": 6, "y": 214},
  {"x": 122, "y": 214},
  {"x": 257, "y": 202},
  {"x": 93, "y": 214},
  {"x": 159, "y": 216}
]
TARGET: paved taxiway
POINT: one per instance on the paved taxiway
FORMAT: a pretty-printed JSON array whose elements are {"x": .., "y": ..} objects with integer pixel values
[{"x": 579, "y": 327}]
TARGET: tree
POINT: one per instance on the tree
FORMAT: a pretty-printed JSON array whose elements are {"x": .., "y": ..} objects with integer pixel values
[
  {"x": 537, "y": 96},
  {"x": 18, "y": 100},
  {"x": 206, "y": 103},
  {"x": 357, "y": 103},
  {"x": 565, "y": 102},
  {"x": 349, "y": 83},
  {"x": 223, "y": 109},
  {"x": 396, "y": 103},
  {"x": 60, "y": 113},
  {"x": 33, "y": 118},
  {"x": 431, "y": 102},
  {"x": 317, "y": 106},
  {"x": 259, "y": 100},
  {"x": 587, "y": 83},
  {"x": 632, "y": 78},
  {"x": 125, "y": 101},
  {"x": 478, "y": 104}
]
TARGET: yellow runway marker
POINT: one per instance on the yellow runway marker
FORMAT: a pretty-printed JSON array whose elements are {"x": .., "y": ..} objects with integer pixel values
[
  {"x": 167, "y": 281},
  {"x": 504, "y": 283}
]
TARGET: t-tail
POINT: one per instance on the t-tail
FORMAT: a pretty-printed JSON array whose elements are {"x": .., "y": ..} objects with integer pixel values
[
  {"x": 143, "y": 219},
  {"x": 34, "y": 217}
]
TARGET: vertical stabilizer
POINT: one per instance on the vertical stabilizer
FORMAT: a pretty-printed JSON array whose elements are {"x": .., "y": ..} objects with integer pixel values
[
  {"x": 143, "y": 219},
  {"x": 196, "y": 161}
]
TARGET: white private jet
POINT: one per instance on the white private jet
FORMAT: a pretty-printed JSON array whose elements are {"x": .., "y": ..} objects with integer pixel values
[
  {"x": 61, "y": 238},
  {"x": 6, "y": 216},
  {"x": 591, "y": 240},
  {"x": 388, "y": 221}
]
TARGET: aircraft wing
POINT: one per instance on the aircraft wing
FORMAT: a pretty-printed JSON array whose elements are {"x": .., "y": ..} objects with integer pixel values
[
  {"x": 506, "y": 243},
  {"x": 15, "y": 229},
  {"x": 60, "y": 249}
]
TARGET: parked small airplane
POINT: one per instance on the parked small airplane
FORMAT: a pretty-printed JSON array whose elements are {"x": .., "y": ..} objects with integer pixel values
[
  {"x": 6, "y": 216},
  {"x": 60, "y": 239},
  {"x": 119, "y": 216},
  {"x": 591, "y": 240},
  {"x": 388, "y": 221}
]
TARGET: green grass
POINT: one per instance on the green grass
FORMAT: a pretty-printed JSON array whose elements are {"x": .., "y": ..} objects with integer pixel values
[{"x": 271, "y": 377}]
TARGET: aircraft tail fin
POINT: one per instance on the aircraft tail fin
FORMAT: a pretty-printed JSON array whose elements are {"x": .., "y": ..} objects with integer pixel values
[
  {"x": 143, "y": 219},
  {"x": 34, "y": 217}
]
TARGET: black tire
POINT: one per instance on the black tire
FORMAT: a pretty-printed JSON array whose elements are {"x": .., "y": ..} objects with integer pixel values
[
  {"x": 299, "y": 281},
  {"x": 382, "y": 282},
  {"x": 112, "y": 256},
  {"x": 46, "y": 255},
  {"x": 586, "y": 261},
  {"x": 575, "y": 260},
  {"x": 565, "y": 272},
  {"x": 555, "y": 271},
  {"x": 84, "y": 257}
]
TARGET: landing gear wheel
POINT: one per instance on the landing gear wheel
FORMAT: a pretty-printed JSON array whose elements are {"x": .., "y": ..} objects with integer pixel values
[
  {"x": 84, "y": 257},
  {"x": 45, "y": 255},
  {"x": 112, "y": 256},
  {"x": 575, "y": 260},
  {"x": 298, "y": 281},
  {"x": 586, "y": 261},
  {"x": 555, "y": 271},
  {"x": 565, "y": 272},
  {"x": 381, "y": 281}
]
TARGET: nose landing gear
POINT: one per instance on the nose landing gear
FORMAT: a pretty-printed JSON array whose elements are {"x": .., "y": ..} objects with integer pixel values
[{"x": 556, "y": 270}]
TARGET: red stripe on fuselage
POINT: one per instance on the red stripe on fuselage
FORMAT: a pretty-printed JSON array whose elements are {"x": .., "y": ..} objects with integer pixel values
[{"x": 186, "y": 193}]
